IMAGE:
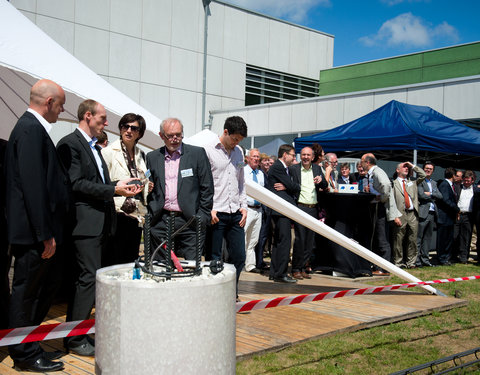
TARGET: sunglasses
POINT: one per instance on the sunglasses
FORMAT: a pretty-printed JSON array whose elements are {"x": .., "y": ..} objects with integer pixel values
[{"x": 132, "y": 127}]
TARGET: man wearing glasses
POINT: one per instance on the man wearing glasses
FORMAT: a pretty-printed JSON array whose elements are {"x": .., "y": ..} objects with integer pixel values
[{"x": 183, "y": 187}]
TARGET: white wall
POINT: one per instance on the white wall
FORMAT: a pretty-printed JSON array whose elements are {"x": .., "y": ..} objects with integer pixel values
[
  {"x": 152, "y": 50},
  {"x": 455, "y": 98}
]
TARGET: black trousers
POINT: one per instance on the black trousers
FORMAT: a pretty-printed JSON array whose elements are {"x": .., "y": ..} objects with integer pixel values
[
  {"x": 281, "y": 249},
  {"x": 124, "y": 246},
  {"x": 444, "y": 242},
  {"x": 304, "y": 242},
  {"x": 380, "y": 243},
  {"x": 462, "y": 235},
  {"x": 35, "y": 282},
  {"x": 88, "y": 257}
]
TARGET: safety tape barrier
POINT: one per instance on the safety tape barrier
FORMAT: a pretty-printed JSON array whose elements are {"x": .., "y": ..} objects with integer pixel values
[
  {"x": 83, "y": 327},
  {"x": 46, "y": 332},
  {"x": 293, "y": 300}
]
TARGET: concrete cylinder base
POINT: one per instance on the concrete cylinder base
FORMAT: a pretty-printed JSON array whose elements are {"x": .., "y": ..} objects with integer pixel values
[{"x": 180, "y": 326}]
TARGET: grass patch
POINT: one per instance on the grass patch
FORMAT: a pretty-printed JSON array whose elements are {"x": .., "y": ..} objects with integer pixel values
[{"x": 392, "y": 347}]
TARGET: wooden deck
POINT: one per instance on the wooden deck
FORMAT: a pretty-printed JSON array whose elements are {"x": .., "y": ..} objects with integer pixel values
[{"x": 271, "y": 329}]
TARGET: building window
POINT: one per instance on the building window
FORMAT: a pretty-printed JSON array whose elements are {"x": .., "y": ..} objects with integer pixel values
[{"x": 268, "y": 86}]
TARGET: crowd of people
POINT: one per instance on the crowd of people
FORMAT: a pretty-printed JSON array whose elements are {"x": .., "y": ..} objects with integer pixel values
[{"x": 81, "y": 205}]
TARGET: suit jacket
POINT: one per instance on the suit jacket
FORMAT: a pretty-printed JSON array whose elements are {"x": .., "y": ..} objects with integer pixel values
[
  {"x": 37, "y": 186},
  {"x": 412, "y": 190},
  {"x": 278, "y": 173},
  {"x": 93, "y": 198},
  {"x": 351, "y": 179},
  {"x": 195, "y": 182},
  {"x": 447, "y": 206},
  {"x": 296, "y": 175},
  {"x": 425, "y": 200}
]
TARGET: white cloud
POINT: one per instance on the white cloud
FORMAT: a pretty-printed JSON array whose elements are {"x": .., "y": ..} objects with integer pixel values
[
  {"x": 408, "y": 30},
  {"x": 395, "y": 2},
  {"x": 292, "y": 10}
]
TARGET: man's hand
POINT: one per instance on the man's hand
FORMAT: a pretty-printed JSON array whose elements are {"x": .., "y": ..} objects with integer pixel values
[
  {"x": 397, "y": 222},
  {"x": 279, "y": 186},
  {"x": 122, "y": 188},
  {"x": 317, "y": 179},
  {"x": 427, "y": 193},
  {"x": 215, "y": 219},
  {"x": 150, "y": 186},
  {"x": 244, "y": 217},
  {"x": 50, "y": 247}
]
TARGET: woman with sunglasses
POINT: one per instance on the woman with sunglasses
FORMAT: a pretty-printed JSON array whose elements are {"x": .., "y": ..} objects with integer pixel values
[{"x": 125, "y": 159}]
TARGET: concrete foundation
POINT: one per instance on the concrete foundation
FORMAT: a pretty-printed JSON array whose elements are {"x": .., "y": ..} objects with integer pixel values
[{"x": 179, "y": 326}]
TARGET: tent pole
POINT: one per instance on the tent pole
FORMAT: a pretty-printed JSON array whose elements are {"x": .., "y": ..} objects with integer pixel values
[{"x": 414, "y": 157}]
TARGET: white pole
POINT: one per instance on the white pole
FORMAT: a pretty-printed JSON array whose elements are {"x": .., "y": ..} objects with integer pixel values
[{"x": 278, "y": 204}]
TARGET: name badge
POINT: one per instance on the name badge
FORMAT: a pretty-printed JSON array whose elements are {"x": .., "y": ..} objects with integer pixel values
[
  {"x": 187, "y": 173},
  {"x": 410, "y": 183}
]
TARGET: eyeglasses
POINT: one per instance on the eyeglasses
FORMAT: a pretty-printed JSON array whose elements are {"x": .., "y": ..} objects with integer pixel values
[
  {"x": 133, "y": 128},
  {"x": 292, "y": 154},
  {"x": 170, "y": 137}
]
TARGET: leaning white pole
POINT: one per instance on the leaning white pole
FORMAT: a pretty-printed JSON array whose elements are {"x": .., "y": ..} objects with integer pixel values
[{"x": 278, "y": 204}]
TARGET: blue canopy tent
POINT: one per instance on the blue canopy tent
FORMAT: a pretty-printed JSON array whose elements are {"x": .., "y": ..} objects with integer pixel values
[{"x": 397, "y": 127}]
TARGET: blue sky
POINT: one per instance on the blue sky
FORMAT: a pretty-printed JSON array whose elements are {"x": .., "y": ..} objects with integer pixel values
[{"x": 366, "y": 30}]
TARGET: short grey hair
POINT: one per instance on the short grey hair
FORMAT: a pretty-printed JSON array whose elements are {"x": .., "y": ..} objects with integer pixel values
[{"x": 169, "y": 121}]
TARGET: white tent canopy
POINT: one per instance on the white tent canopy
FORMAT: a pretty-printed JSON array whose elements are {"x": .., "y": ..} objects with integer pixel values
[{"x": 28, "y": 54}]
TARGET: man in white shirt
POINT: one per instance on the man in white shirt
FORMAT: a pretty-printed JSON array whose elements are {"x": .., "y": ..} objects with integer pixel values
[
  {"x": 464, "y": 225},
  {"x": 378, "y": 184},
  {"x": 254, "y": 217},
  {"x": 229, "y": 213}
]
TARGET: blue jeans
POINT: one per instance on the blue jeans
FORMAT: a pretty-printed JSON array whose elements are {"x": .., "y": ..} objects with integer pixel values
[{"x": 228, "y": 228}]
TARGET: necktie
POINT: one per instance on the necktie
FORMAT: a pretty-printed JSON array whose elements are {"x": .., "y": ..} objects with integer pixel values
[
  {"x": 255, "y": 179},
  {"x": 405, "y": 195}
]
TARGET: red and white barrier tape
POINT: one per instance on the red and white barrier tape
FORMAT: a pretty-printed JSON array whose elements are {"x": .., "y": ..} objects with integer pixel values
[
  {"x": 83, "y": 327},
  {"x": 293, "y": 300},
  {"x": 46, "y": 332}
]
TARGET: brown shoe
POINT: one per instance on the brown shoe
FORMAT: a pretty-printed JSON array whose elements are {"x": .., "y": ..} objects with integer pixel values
[
  {"x": 306, "y": 275},
  {"x": 297, "y": 275},
  {"x": 380, "y": 273}
]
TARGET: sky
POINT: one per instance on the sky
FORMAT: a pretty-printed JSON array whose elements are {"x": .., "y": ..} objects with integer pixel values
[{"x": 367, "y": 30}]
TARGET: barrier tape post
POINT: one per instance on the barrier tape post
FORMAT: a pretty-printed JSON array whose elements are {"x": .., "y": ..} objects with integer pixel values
[{"x": 84, "y": 327}]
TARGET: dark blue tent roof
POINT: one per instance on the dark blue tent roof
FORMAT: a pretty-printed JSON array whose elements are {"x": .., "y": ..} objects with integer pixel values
[{"x": 398, "y": 126}]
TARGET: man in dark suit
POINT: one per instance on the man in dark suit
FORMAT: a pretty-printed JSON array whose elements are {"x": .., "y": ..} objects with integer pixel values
[
  {"x": 183, "y": 186},
  {"x": 345, "y": 176},
  {"x": 463, "y": 228},
  {"x": 310, "y": 179},
  {"x": 37, "y": 203},
  {"x": 447, "y": 213},
  {"x": 280, "y": 183},
  {"x": 428, "y": 195},
  {"x": 94, "y": 211}
]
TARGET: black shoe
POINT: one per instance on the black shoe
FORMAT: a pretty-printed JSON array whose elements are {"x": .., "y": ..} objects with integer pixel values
[
  {"x": 284, "y": 279},
  {"x": 51, "y": 356},
  {"x": 255, "y": 270},
  {"x": 428, "y": 265},
  {"x": 85, "y": 349},
  {"x": 446, "y": 264},
  {"x": 40, "y": 365},
  {"x": 270, "y": 277}
]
